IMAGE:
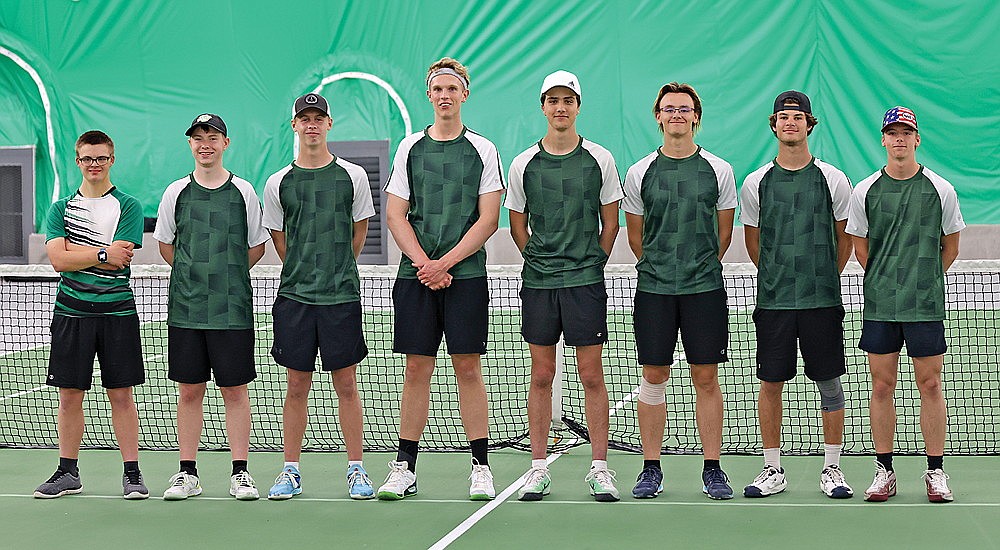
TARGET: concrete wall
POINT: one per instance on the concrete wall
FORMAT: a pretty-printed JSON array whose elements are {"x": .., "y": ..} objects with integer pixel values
[{"x": 978, "y": 242}]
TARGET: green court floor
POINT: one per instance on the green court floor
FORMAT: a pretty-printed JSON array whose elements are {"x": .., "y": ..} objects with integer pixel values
[{"x": 323, "y": 516}]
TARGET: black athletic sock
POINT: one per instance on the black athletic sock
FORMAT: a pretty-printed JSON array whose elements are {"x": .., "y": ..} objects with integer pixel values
[
  {"x": 885, "y": 459},
  {"x": 480, "y": 450},
  {"x": 69, "y": 465},
  {"x": 935, "y": 462},
  {"x": 712, "y": 465},
  {"x": 189, "y": 467},
  {"x": 651, "y": 464},
  {"x": 407, "y": 453},
  {"x": 239, "y": 466}
]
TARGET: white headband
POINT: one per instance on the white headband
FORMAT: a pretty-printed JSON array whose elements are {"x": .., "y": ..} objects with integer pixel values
[{"x": 447, "y": 70}]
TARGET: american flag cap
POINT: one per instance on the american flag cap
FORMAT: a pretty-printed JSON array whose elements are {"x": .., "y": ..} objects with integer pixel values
[{"x": 901, "y": 115}]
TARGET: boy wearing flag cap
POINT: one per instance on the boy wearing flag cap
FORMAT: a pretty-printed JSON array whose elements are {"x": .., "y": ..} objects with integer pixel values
[
  {"x": 317, "y": 210},
  {"x": 906, "y": 222},
  {"x": 794, "y": 210},
  {"x": 209, "y": 230},
  {"x": 563, "y": 203},
  {"x": 443, "y": 204}
]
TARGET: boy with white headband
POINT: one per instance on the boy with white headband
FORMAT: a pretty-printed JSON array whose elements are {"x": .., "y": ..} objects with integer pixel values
[{"x": 443, "y": 204}]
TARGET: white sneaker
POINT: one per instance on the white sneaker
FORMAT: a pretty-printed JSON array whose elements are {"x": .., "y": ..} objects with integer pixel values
[
  {"x": 602, "y": 485},
  {"x": 536, "y": 485},
  {"x": 770, "y": 481},
  {"x": 883, "y": 486},
  {"x": 242, "y": 487},
  {"x": 937, "y": 486},
  {"x": 182, "y": 485},
  {"x": 833, "y": 483},
  {"x": 482, "y": 482},
  {"x": 399, "y": 483}
]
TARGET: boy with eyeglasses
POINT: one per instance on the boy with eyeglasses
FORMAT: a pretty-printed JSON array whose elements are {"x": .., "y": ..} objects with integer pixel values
[
  {"x": 679, "y": 206},
  {"x": 906, "y": 223},
  {"x": 444, "y": 203},
  {"x": 91, "y": 236},
  {"x": 209, "y": 231},
  {"x": 794, "y": 210},
  {"x": 563, "y": 204}
]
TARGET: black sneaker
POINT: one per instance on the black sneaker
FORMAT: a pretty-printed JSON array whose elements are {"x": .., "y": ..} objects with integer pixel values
[{"x": 61, "y": 483}]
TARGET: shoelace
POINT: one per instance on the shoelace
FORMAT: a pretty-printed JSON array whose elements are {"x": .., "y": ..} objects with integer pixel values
[
  {"x": 535, "y": 476},
  {"x": 178, "y": 480},
  {"x": 396, "y": 471},
  {"x": 603, "y": 477},
  {"x": 836, "y": 476},
  {"x": 243, "y": 479},
  {"x": 938, "y": 481},
  {"x": 133, "y": 477},
  {"x": 647, "y": 474},
  {"x": 716, "y": 476},
  {"x": 357, "y": 477},
  {"x": 285, "y": 477},
  {"x": 480, "y": 475},
  {"x": 56, "y": 476},
  {"x": 768, "y": 472}
]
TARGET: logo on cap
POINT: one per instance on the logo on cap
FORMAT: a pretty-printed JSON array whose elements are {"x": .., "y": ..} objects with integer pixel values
[
  {"x": 204, "y": 118},
  {"x": 311, "y": 99},
  {"x": 901, "y": 115}
]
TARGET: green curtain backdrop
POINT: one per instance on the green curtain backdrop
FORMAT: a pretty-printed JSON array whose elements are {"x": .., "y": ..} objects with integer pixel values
[{"x": 142, "y": 70}]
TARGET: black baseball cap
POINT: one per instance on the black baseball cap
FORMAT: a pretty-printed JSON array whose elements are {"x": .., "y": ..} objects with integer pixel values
[
  {"x": 210, "y": 120},
  {"x": 791, "y": 96},
  {"x": 310, "y": 101}
]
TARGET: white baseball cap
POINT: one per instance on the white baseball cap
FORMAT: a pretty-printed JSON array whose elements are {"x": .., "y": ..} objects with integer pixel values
[{"x": 565, "y": 79}]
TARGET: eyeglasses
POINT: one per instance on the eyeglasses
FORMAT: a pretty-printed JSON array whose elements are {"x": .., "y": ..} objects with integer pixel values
[
  {"x": 672, "y": 110},
  {"x": 91, "y": 161}
]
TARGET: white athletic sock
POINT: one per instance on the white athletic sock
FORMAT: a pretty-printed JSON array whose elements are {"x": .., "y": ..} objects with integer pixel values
[
  {"x": 772, "y": 457},
  {"x": 832, "y": 454},
  {"x": 539, "y": 463},
  {"x": 599, "y": 465},
  {"x": 354, "y": 463},
  {"x": 292, "y": 464}
]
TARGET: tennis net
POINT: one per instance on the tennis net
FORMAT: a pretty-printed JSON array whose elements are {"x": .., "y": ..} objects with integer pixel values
[{"x": 971, "y": 375}]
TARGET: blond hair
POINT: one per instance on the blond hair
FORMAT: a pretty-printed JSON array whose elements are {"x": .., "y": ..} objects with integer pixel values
[{"x": 449, "y": 63}]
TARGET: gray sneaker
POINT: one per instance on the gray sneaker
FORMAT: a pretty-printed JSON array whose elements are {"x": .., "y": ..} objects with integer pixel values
[
  {"x": 132, "y": 486},
  {"x": 61, "y": 483}
]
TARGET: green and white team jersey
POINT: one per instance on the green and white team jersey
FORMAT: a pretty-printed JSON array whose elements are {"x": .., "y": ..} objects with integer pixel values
[
  {"x": 904, "y": 221},
  {"x": 795, "y": 211},
  {"x": 211, "y": 231},
  {"x": 679, "y": 200},
  {"x": 317, "y": 209},
  {"x": 442, "y": 181},
  {"x": 114, "y": 216},
  {"x": 562, "y": 196}
]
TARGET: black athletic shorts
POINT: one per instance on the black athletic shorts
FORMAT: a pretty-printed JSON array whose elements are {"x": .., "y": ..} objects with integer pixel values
[
  {"x": 923, "y": 338},
  {"x": 820, "y": 336},
  {"x": 580, "y": 313},
  {"x": 115, "y": 341},
  {"x": 703, "y": 321},
  {"x": 459, "y": 312},
  {"x": 194, "y": 354},
  {"x": 302, "y": 329}
]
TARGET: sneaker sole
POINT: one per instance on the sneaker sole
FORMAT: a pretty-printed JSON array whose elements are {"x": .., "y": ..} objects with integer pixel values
[
  {"x": 135, "y": 495},
  {"x": 250, "y": 496},
  {"x": 59, "y": 494},
  {"x": 362, "y": 497},
  {"x": 181, "y": 497},
  {"x": 715, "y": 497},
  {"x": 879, "y": 497},
  {"x": 481, "y": 496},
  {"x": 647, "y": 495},
  {"x": 606, "y": 497},
  {"x": 840, "y": 493},
  {"x": 760, "y": 494},
  {"x": 940, "y": 498},
  {"x": 532, "y": 497},
  {"x": 283, "y": 496}
]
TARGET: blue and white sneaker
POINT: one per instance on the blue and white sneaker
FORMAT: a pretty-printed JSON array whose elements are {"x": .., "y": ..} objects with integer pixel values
[
  {"x": 716, "y": 484},
  {"x": 770, "y": 481},
  {"x": 286, "y": 485},
  {"x": 649, "y": 483},
  {"x": 358, "y": 484}
]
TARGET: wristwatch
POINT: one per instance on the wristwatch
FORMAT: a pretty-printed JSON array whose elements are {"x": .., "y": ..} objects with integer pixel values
[{"x": 102, "y": 255}]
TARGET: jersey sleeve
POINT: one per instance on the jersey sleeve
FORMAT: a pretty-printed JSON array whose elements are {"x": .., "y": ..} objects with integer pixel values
[
  {"x": 399, "y": 177},
  {"x": 750, "y": 199},
  {"x": 256, "y": 234},
  {"x": 492, "y": 179},
  {"x": 130, "y": 224},
  {"x": 363, "y": 206},
  {"x": 516, "y": 199},
  {"x": 632, "y": 202},
  {"x": 840, "y": 191},
  {"x": 857, "y": 218},
  {"x": 727, "y": 184},
  {"x": 166, "y": 218},
  {"x": 55, "y": 221},
  {"x": 273, "y": 217},
  {"x": 951, "y": 215},
  {"x": 611, "y": 184}
]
